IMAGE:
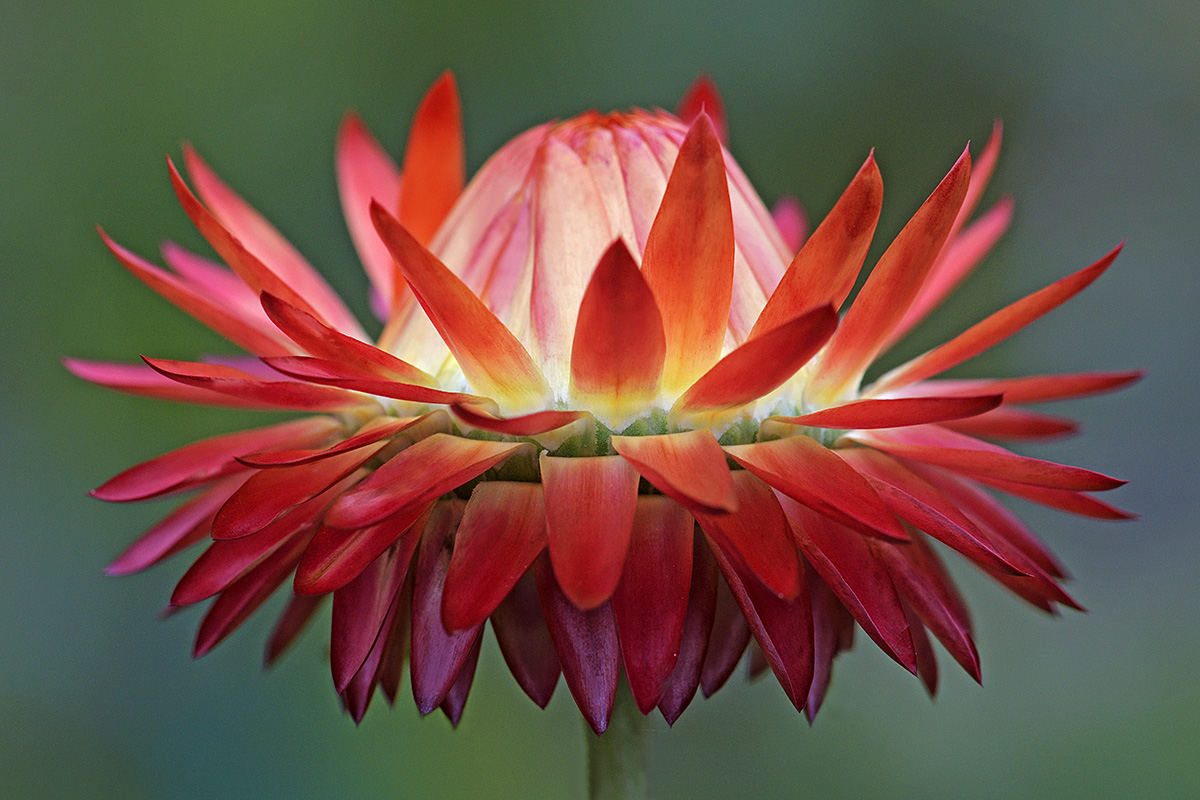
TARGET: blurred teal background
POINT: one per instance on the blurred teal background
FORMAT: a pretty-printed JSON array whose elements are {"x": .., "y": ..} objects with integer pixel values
[{"x": 1101, "y": 104}]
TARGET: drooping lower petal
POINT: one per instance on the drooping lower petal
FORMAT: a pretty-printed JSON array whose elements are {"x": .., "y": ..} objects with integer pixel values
[
  {"x": 681, "y": 686},
  {"x": 360, "y": 609},
  {"x": 300, "y": 610},
  {"x": 337, "y": 556},
  {"x": 525, "y": 643}
]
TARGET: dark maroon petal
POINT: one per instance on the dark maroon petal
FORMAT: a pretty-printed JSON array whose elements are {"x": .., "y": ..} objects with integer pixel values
[
  {"x": 727, "y": 641},
  {"x": 456, "y": 698},
  {"x": 830, "y": 622},
  {"x": 437, "y": 656},
  {"x": 587, "y": 647},
  {"x": 702, "y": 603},
  {"x": 782, "y": 628},
  {"x": 359, "y": 611},
  {"x": 292, "y": 622},
  {"x": 650, "y": 603},
  {"x": 525, "y": 642},
  {"x": 396, "y": 654},
  {"x": 361, "y": 688}
]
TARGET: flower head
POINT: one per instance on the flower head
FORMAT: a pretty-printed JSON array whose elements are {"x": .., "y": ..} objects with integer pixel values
[{"x": 612, "y": 410}]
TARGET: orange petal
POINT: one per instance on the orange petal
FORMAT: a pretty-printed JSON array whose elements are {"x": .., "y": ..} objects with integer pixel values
[
  {"x": 534, "y": 424},
  {"x": 893, "y": 284},
  {"x": 502, "y": 531},
  {"x": 896, "y": 413},
  {"x": 490, "y": 356},
  {"x": 994, "y": 329},
  {"x": 815, "y": 476},
  {"x": 590, "y": 506},
  {"x": 825, "y": 268},
  {"x": 760, "y": 365},
  {"x": 702, "y": 97},
  {"x": 1010, "y": 422},
  {"x": 617, "y": 356},
  {"x": 688, "y": 260},
  {"x": 434, "y": 161},
  {"x": 689, "y": 467}
]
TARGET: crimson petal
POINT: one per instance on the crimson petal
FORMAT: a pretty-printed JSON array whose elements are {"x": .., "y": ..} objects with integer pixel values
[
  {"x": 295, "y": 618},
  {"x": 360, "y": 609},
  {"x": 681, "y": 686},
  {"x": 248, "y": 388},
  {"x": 689, "y": 467},
  {"x": 525, "y": 642},
  {"x": 727, "y": 640},
  {"x": 336, "y": 556},
  {"x": 896, "y": 413}
]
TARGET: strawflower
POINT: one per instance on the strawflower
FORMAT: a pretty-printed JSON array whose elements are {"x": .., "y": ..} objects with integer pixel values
[{"x": 613, "y": 409}]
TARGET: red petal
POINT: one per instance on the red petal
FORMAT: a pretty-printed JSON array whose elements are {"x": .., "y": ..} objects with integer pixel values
[
  {"x": 845, "y": 561},
  {"x": 1074, "y": 502},
  {"x": 782, "y": 628},
  {"x": 789, "y": 218},
  {"x": 292, "y": 622},
  {"x": 140, "y": 379},
  {"x": 689, "y": 467},
  {"x": 502, "y": 531},
  {"x": 525, "y": 641},
  {"x": 209, "y": 459},
  {"x": 185, "y": 526},
  {"x": 727, "y": 641},
  {"x": 246, "y": 594},
  {"x": 814, "y": 475},
  {"x": 1032, "y": 388},
  {"x": 434, "y": 161},
  {"x": 681, "y": 686},
  {"x": 757, "y": 535},
  {"x": 437, "y": 656},
  {"x": 617, "y": 356},
  {"x": 688, "y": 258},
  {"x": 335, "y": 557},
  {"x": 587, "y": 646},
  {"x": 365, "y": 172},
  {"x": 395, "y": 655},
  {"x": 945, "y": 448},
  {"x": 927, "y": 667},
  {"x": 246, "y": 228},
  {"x": 374, "y": 431},
  {"x": 651, "y": 601},
  {"x": 896, "y": 413},
  {"x": 893, "y": 283},
  {"x": 360, "y": 609},
  {"x": 702, "y": 97},
  {"x": 590, "y": 505},
  {"x": 361, "y": 689},
  {"x": 996, "y": 328},
  {"x": 831, "y": 621},
  {"x": 255, "y": 391},
  {"x": 534, "y": 424},
  {"x": 336, "y": 373},
  {"x": 495, "y": 363},
  {"x": 1008, "y": 422},
  {"x": 824, "y": 270},
  {"x": 760, "y": 365}
]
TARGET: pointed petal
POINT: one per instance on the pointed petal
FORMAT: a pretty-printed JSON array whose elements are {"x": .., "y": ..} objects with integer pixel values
[
  {"x": 495, "y": 363},
  {"x": 534, "y": 424},
  {"x": 651, "y": 601},
  {"x": 399, "y": 639},
  {"x": 140, "y": 379},
  {"x": 893, "y": 284},
  {"x": 760, "y": 365},
  {"x": 689, "y": 467},
  {"x": 587, "y": 646},
  {"x": 416, "y": 476},
  {"x": 1009, "y": 422},
  {"x": 702, "y": 97},
  {"x": 295, "y": 618},
  {"x": 434, "y": 161},
  {"x": 757, "y": 535},
  {"x": 183, "y": 527},
  {"x": 361, "y": 689},
  {"x": 335, "y": 556},
  {"x": 437, "y": 656},
  {"x": 502, "y": 531},
  {"x": 927, "y": 666},
  {"x": 824, "y": 270},
  {"x": 373, "y": 432},
  {"x": 209, "y": 459},
  {"x": 590, "y": 506},
  {"x": 816, "y": 476},
  {"x": 360, "y": 609},
  {"x": 934, "y": 445},
  {"x": 681, "y": 686},
  {"x": 727, "y": 640},
  {"x": 896, "y": 413},
  {"x": 247, "y": 388},
  {"x": 1073, "y": 502},
  {"x": 996, "y": 328},
  {"x": 365, "y": 172},
  {"x": 1031, "y": 388},
  {"x": 525, "y": 641},
  {"x": 617, "y": 356},
  {"x": 456, "y": 699},
  {"x": 790, "y": 219},
  {"x": 831, "y": 620},
  {"x": 688, "y": 259},
  {"x": 344, "y": 376},
  {"x": 846, "y": 563}
]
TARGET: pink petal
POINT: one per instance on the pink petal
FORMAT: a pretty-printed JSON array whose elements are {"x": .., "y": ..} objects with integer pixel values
[
  {"x": 590, "y": 506},
  {"x": 140, "y": 379},
  {"x": 814, "y": 475},
  {"x": 896, "y": 413},
  {"x": 651, "y": 601},
  {"x": 688, "y": 259},
  {"x": 689, "y": 467},
  {"x": 757, "y": 536},
  {"x": 495, "y": 363},
  {"x": 502, "y": 531},
  {"x": 360, "y": 609},
  {"x": 824, "y": 270},
  {"x": 525, "y": 643},
  {"x": 893, "y": 284},
  {"x": 434, "y": 161},
  {"x": 681, "y": 686},
  {"x": 252, "y": 390},
  {"x": 760, "y": 365},
  {"x": 702, "y": 97},
  {"x": 996, "y": 328},
  {"x": 587, "y": 646},
  {"x": 790, "y": 219}
]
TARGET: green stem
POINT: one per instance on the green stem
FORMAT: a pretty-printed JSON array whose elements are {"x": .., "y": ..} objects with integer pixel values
[{"x": 617, "y": 759}]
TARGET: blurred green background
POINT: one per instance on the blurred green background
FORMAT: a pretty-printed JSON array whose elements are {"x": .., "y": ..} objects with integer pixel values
[{"x": 1101, "y": 104}]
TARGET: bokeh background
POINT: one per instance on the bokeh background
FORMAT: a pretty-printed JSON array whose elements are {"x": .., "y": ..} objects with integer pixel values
[{"x": 1101, "y": 103}]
